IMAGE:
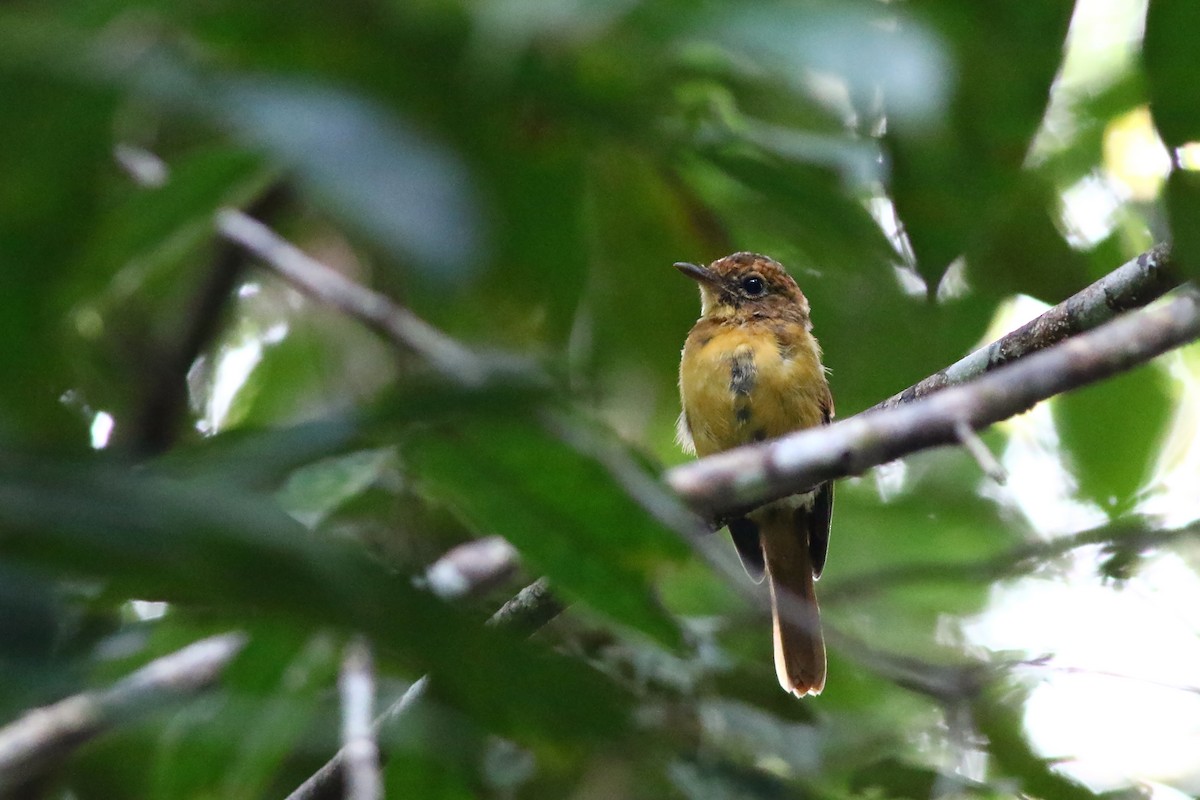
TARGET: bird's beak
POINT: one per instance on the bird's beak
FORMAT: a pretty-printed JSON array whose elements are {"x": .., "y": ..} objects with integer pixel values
[{"x": 700, "y": 274}]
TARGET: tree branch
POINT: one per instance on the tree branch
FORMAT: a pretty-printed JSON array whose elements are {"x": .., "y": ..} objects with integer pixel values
[
  {"x": 472, "y": 567},
  {"x": 1041, "y": 361},
  {"x": 529, "y": 609},
  {"x": 45, "y": 735},
  {"x": 1132, "y": 285},
  {"x": 974, "y": 445},
  {"x": 357, "y": 685},
  {"x": 399, "y": 325},
  {"x": 163, "y": 405},
  {"x": 1018, "y": 560},
  {"x": 748, "y": 476}
]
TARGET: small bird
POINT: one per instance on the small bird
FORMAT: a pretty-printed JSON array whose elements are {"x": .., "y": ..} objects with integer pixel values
[{"x": 751, "y": 370}]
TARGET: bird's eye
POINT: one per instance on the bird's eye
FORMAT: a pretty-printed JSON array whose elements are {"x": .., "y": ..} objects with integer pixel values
[{"x": 753, "y": 285}]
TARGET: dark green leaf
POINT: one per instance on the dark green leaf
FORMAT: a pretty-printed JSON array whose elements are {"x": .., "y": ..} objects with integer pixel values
[
  {"x": 161, "y": 539},
  {"x": 528, "y": 295},
  {"x": 234, "y": 740},
  {"x": 1021, "y": 250},
  {"x": 33, "y": 621},
  {"x": 898, "y": 779},
  {"x": 832, "y": 229},
  {"x": 1172, "y": 28},
  {"x": 410, "y": 776},
  {"x": 563, "y": 511},
  {"x": 997, "y": 713},
  {"x": 639, "y": 309},
  {"x": 1113, "y": 431},
  {"x": 1183, "y": 216},
  {"x": 870, "y": 50},
  {"x": 723, "y": 780},
  {"x": 155, "y": 227},
  {"x": 262, "y": 457},
  {"x": 56, "y": 153},
  {"x": 947, "y": 180},
  {"x": 377, "y": 172}
]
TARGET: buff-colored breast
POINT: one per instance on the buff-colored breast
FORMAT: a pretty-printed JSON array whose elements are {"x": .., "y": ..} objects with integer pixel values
[{"x": 786, "y": 389}]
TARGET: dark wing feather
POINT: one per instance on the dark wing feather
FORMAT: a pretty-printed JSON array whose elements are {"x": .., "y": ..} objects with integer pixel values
[
  {"x": 822, "y": 511},
  {"x": 818, "y": 531},
  {"x": 749, "y": 547}
]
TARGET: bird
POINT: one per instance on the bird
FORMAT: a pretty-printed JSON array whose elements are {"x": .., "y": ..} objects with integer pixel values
[{"x": 751, "y": 370}]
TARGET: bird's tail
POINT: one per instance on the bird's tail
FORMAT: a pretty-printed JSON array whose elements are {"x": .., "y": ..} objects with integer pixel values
[{"x": 799, "y": 646}]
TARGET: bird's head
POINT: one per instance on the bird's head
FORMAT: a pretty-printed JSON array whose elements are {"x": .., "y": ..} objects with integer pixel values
[{"x": 747, "y": 285}]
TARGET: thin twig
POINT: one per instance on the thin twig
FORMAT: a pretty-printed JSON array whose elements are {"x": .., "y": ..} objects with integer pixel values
[
  {"x": 361, "y": 753},
  {"x": 442, "y": 353},
  {"x": 326, "y": 783},
  {"x": 1044, "y": 664},
  {"x": 946, "y": 683},
  {"x": 163, "y": 406},
  {"x": 748, "y": 476},
  {"x": 1018, "y": 560},
  {"x": 472, "y": 568},
  {"x": 979, "y": 451},
  {"x": 1134, "y": 284},
  {"x": 529, "y": 610},
  {"x": 143, "y": 167},
  {"x": 45, "y": 735}
]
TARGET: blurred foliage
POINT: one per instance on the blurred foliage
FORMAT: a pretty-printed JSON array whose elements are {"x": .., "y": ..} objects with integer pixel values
[{"x": 177, "y": 425}]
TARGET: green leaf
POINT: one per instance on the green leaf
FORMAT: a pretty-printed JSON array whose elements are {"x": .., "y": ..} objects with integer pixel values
[
  {"x": 567, "y": 515},
  {"x": 153, "y": 538},
  {"x": 34, "y": 623},
  {"x": 1112, "y": 431},
  {"x": 262, "y": 457},
  {"x": 899, "y": 779},
  {"x": 233, "y": 741},
  {"x": 829, "y": 226},
  {"x": 947, "y": 180},
  {"x": 527, "y": 295},
  {"x": 153, "y": 229},
  {"x": 430, "y": 742},
  {"x": 637, "y": 307},
  {"x": 322, "y": 362},
  {"x": 725, "y": 780},
  {"x": 1172, "y": 29},
  {"x": 1021, "y": 250},
  {"x": 376, "y": 171},
  {"x": 147, "y": 275},
  {"x": 870, "y": 50},
  {"x": 278, "y": 713},
  {"x": 1183, "y": 215},
  {"x": 56, "y": 150},
  {"x": 317, "y": 490},
  {"x": 412, "y": 776},
  {"x": 859, "y": 315},
  {"x": 997, "y": 713}
]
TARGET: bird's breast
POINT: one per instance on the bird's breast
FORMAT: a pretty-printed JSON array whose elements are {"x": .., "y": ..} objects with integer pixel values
[{"x": 747, "y": 382}]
